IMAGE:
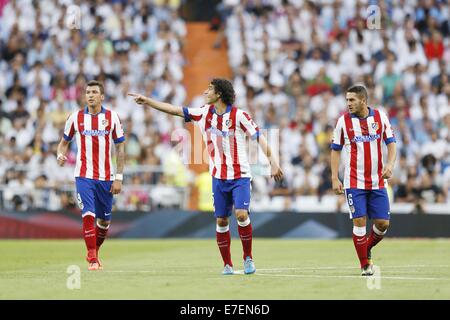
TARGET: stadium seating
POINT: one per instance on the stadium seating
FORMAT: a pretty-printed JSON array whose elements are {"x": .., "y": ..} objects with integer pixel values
[{"x": 291, "y": 61}]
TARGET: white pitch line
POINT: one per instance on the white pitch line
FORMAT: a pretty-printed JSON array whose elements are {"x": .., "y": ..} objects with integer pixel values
[
  {"x": 241, "y": 272},
  {"x": 348, "y": 267},
  {"x": 356, "y": 277},
  {"x": 275, "y": 270}
]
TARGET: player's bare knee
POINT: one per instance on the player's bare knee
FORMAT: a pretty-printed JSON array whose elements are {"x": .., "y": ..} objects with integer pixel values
[
  {"x": 382, "y": 225},
  {"x": 222, "y": 222},
  {"x": 359, "y": 222},
  {"x": 241, "y": 215}
]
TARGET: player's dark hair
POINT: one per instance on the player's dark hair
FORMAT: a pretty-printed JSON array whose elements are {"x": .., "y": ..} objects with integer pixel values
[
  {"x": 225, "y": 89},
  {"x": 93, "y": 83},
  {"x": 360, "y": 90}
]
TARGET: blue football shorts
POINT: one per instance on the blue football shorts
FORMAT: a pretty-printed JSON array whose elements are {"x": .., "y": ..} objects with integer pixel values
[
  {"x": 227, "y": 193},
  {"x": 95, "y": 196},
  {"x": 373, "y": 203}
]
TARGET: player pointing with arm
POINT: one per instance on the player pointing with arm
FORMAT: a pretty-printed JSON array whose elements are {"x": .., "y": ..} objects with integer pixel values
[
  {"x": 95, "y": 128},
  {"x": 361, "y": 131},
  {"x": 224, "y": 127}
]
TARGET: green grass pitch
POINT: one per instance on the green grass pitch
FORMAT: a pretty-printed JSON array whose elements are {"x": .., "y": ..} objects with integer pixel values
[{"x": 191, "y": 269}]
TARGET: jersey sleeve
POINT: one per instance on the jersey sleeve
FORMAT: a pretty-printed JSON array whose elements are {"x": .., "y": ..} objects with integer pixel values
[
  {"x": 388, "y": 133},
  {"x": 338, "y": 135},
  {"x": 194, "y": 114},
  {"x": 117, "y": 132},
  {"x": 248, "y": 125},
  {"x": 69, "y": 128}
]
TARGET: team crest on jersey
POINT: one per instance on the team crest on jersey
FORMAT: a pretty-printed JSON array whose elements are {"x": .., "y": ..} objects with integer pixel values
[
  {"x": 105, "y": 122},
  {"x": 375, "y": 126},
  {"x": 228, "y": 123}
]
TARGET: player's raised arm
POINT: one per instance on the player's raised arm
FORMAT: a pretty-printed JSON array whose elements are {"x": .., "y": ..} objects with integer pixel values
[{"x": 158, "y": 105}]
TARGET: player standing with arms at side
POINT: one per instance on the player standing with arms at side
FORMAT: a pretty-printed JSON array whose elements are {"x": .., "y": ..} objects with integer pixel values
[
  {"x": 224, "y": 127},
  {"x": 360, "y": 131},
  {"x": 95, "y": 127}
]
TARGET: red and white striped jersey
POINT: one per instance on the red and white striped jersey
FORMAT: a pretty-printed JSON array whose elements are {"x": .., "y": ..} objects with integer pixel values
[
  {"x": 362, "y": 141},
  {"x": 94, "y": 133},
  {"x": 224, "y": 136}
]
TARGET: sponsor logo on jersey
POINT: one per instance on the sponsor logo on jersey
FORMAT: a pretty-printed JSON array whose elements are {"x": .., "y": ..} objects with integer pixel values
[
  {"x": 95, "y": 132},
  {"x": 367, "y": 138},
  {"x": 217, "y": 132}
]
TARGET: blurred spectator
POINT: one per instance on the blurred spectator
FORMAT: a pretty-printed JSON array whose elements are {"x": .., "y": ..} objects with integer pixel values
[
  {"x": 44, "y": 66},
  {"x": 434, "y": 46},
  {"x": 175, "y": 172},
  {"x": 291, "y": 61},
  {"x": 408, "y": 189},
  {"x": 335, "y": 50},
  {"x": 19, "y": 191},
  {"x": 44, "y": 196},
  {"x": 430, "y": 181},
  {"x": 203, "y": 183},
  {"x": 134, "y": 196}
]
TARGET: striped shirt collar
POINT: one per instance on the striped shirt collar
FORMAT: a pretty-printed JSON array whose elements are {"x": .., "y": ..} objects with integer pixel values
[
  {"x": 371, "y": 114},
  {"x": 213, "y": 110},
  {"x": 86, "y": 111}
]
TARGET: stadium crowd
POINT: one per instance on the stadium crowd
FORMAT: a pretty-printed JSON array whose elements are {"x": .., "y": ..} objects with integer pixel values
[
  {"x": 48, "y": 51},
  {"x": 292, "y": 61}
]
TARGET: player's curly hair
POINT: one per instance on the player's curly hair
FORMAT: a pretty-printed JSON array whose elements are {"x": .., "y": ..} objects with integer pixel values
[{"x": 225, "y": 89}]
